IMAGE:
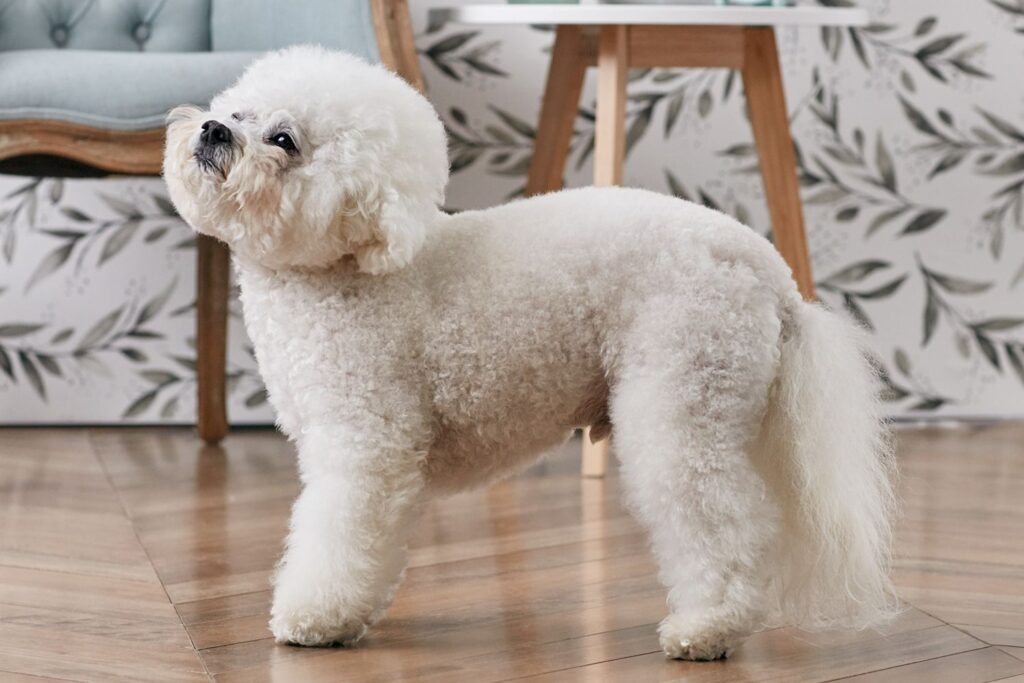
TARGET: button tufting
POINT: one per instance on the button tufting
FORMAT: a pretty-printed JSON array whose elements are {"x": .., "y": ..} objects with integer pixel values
[
  {"x": 59, "y": 34},
  {"x": 142, "y": 32}
]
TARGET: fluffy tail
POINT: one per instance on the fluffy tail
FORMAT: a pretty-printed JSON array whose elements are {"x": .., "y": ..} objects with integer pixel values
[{"x": 827, "y": 456}]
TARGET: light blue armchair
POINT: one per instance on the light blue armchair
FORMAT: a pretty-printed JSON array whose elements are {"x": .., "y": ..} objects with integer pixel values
[{"x": 91, "y": 81}]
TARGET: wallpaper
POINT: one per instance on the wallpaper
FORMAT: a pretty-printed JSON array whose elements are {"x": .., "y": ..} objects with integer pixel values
[{"x": 910, "y": 134}]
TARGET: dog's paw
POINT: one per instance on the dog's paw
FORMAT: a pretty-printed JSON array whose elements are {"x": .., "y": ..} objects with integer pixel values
[
  {"x": 696, "y": 639},
  {"x": 316, "y": 630}
]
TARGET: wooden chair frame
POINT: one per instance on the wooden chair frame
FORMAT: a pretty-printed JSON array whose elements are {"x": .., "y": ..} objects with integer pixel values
[{"x": 141, "y": 153}]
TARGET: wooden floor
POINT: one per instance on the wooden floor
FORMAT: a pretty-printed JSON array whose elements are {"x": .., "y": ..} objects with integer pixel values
[{"x": 132, "y": 555}]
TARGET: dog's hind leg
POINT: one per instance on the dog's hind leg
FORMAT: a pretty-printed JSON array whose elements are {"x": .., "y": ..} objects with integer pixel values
[
  {"x": 686, "y": 403},
  {"x": 346, "y": 549}
]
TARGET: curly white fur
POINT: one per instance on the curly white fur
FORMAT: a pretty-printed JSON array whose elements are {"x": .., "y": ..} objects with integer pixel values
[{"x": 411, "y": 353}]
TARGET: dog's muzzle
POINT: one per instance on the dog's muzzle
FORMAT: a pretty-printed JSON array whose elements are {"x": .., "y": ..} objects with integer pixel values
[{"x": 214, "y": 146}]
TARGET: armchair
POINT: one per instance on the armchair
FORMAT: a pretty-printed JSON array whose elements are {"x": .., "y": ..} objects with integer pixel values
[{"x": 91, "y": 81}]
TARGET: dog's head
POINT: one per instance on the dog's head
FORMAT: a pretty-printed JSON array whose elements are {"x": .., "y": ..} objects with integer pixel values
[{"x": 311, "y": 156}]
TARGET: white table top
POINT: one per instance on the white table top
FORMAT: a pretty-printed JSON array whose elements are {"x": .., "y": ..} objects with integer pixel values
[{"x": 600, "y": 14}]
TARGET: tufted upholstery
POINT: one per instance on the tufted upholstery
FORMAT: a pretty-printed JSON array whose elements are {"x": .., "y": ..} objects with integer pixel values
[
  {"x": 150, "y": 25},
  {"x": 78, "y": 60},
  {"x": 111, "y": 90},
  {"x": 272, "y": 24}
]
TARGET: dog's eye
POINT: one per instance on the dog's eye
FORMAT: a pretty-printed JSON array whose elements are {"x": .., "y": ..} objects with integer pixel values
[{"x": 284, "y": 141}]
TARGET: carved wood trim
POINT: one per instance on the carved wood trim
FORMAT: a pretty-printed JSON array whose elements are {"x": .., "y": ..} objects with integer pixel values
[{"x": 135, "y": 152}]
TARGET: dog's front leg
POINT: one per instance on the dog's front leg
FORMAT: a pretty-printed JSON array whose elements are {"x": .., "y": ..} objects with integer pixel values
[{"x": 346, "y": 547}]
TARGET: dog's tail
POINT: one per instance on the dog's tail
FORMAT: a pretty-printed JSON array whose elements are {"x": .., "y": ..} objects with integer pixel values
[{"x": 827, "y": 456}]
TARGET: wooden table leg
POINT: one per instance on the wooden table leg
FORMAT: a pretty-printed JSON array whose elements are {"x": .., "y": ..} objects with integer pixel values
[
  {"x": 557, "y": 112},
  {"x": 762, "y": 80},
  {"x": 212, "y": 288},
  {"x": 609, "y": 154},
  {"x": 610, "y": 126}
]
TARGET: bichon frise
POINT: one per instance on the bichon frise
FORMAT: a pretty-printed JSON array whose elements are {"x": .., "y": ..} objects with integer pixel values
[{"x": 411, "y": 353}]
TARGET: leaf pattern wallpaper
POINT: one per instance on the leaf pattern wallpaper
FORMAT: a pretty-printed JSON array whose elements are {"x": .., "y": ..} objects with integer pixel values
[{"x": 910, "y": 136}]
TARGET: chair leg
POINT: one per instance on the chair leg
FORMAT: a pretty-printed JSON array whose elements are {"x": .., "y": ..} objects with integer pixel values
[
  {"x": 212, "y": 289},
  {"x": 609, "y": 155},
  {"x": 762, "y": 80},
  {"x": 557, "y": 112}
]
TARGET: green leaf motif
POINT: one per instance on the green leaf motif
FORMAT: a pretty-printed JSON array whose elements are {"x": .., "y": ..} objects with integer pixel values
[
  {"x": 902, "y": 362},
  {"x": 885, "y": 166},
  {"x": 516, "y": 124},
  {"x": 956, "y": 285},
  {"x": 18, "y": 329},
  {"x": 857, "y": 272},
  {"x": 675, "y": 107},
  {"x": 637, "y": 128},
  {"x": 75, "y": 214},
  {"x": 100, "y": 330},
  {"x": 49, "y": 364},
  {"x": 947, "y": 162},
  {"x": 931, "y": 316},
  {"x": 847, "y": 214},
  {"x": 1003, "y": 126},
  {"x": 257, "y": 398},
  {"x": 62, "y": 336},
  {"x": 929, "y": 404},
  {"x": 857, "y": 312},
  {"x": 154, "y": 305},
  {"x": 51, "y": 264},
  {"x": 120, "y": 206},
  {"x": 923, "y": 221},
  {"x": 998, "y": 324},
  {"x": 450, "y": 43},
  {"x": 118, "y": 240},
  {"x": 159, "y": 377},
  {"x": 32, "y": 374},
  {"x": 704, "y": 104},
  {"x": 1016, "y": 360},
  {"x": 140, "y": 404},
  {"x": 170, "y": 408},
  {"x": 1011, "y": 165},
  {"x": 5, "y": 363},
  {"x": 937, "y": 46},
  {"x": 165, "y": 205},
  {"x": 883, "y": 291},
  {"x": 988, "y": 349},
  {"x": 883, "y": 218},
  {"x": 925, "y": 25}
]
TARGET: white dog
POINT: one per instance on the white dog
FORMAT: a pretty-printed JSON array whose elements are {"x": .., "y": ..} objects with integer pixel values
[{"x": 412, "y": 353}]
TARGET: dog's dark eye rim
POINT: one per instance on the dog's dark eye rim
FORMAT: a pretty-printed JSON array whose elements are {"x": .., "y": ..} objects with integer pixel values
[{"x": 283, "y": 140}]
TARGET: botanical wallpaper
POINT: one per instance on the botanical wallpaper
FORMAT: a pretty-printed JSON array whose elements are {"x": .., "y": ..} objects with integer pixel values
[{"x": 910, "y": 133}]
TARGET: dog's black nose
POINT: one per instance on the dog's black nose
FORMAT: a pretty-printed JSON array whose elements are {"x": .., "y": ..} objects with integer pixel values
[{"x": 215, "y": 133}]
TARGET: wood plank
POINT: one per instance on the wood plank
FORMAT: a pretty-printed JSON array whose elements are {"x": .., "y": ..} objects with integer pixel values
[
  {"x": 776, "y": 656},
  {"x": 1015, "y": 652},
  {"x": 686, "y": 46},
  {"x": 78, "y": 597},
  {"x": 993, "y": 635},
  {"x": 541, "y": 576},
  {"x": 976, "y": 666}
]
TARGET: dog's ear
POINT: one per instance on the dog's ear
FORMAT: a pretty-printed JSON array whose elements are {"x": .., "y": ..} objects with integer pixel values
[
  {"x": 382, "y": 180},
  {"x": 397, "y": 228},
  {"x": 182, "y": 113}
]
